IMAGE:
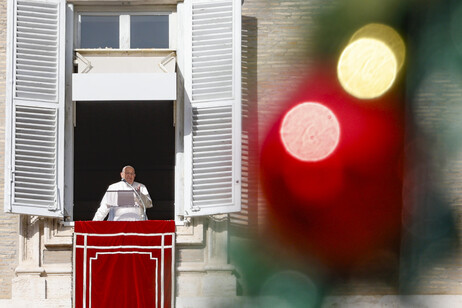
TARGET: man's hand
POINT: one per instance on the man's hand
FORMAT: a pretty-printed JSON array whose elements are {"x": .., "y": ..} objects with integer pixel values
[{"x": 138, "y": 196}]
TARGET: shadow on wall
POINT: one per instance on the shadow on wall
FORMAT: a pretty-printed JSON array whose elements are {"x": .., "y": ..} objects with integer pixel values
[{"x": 246, "y": 221}]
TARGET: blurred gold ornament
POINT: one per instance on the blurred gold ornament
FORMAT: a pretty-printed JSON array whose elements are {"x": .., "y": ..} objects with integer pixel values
[
  {"x": 385, "y": 34},
  {"x": 367, "y": 68}
]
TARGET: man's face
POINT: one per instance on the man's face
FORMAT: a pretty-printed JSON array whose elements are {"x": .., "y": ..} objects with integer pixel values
[{"x": 128, "y": 174}]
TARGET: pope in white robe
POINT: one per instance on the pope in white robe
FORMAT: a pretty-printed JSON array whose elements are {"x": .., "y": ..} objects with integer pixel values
[{"x": 126, "y": 200}]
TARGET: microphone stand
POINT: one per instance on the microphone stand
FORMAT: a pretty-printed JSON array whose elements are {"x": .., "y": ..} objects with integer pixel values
[{"x": 139, "y": 198}]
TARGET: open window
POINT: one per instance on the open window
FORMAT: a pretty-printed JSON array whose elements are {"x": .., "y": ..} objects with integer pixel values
[{"x": 41, "y": 151}]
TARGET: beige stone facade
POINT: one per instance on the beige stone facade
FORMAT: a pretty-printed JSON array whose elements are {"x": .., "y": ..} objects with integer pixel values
[{"x": 281, "y": 43}]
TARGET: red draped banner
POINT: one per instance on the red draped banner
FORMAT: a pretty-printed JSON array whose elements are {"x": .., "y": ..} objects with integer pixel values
[{"x": 124, "y": 263}]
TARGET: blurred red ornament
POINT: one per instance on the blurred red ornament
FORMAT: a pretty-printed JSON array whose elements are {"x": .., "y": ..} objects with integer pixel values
[
  {"x": 310, "y": 131},
  {"x": 345, "y": 207}
]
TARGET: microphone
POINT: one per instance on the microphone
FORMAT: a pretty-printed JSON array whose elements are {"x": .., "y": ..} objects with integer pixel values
[{"x": 139, "y": 197}]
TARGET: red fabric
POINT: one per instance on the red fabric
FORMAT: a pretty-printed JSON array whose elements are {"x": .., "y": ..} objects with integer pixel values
[{"x": 123, "y": 264}]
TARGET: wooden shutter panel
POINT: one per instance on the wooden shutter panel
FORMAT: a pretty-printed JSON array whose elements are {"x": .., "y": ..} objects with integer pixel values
[
  {"x": 213, "y": 122},
  {"x": 35, "y": 108}
]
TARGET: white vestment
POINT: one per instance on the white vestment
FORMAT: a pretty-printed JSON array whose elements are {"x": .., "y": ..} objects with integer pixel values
[{"x": 124, "y": 211}]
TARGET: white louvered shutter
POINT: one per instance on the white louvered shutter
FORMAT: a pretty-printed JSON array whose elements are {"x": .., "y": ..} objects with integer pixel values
[
  {"x": 213, "y": 109},
  {"x": 35, "y": 108}
]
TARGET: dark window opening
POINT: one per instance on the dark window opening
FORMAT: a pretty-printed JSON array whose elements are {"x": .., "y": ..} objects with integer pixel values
[
  {"x": 107, "y": 31},
  {"x": 99, "y": 31},
  {"x": 149, "y": 31},
  {"x": 110, "y": 135}
]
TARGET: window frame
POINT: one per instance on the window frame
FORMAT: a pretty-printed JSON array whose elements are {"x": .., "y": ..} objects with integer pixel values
[
  {"x": 72, "y": 43},
  {"x": 124, "y": 22}
]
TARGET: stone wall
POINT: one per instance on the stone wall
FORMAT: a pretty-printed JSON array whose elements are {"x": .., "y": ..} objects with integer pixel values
[
  {"x": 276, "y": 41},
  {"x": 277, "y": 50}
]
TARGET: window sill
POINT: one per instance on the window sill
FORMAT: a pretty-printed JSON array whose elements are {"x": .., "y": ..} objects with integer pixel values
[{"x": 161, "y": 51}]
